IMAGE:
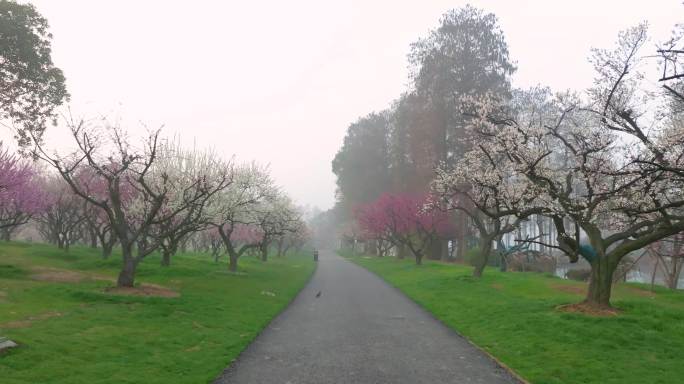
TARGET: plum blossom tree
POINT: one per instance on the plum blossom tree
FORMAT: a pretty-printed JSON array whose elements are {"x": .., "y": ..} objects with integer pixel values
[
  {"x": 21, "y": 195},
  {"x": 483, "y": 183},
  {"x": 405, "y": 220},
  {"x": 233, "y": 208},
  {"x": 208, "y": 240},
  {"x": 141, "y": 191},
  {"x": 275, "y": 217},
  {"x": 98, "y": 225},
  {"x": 296, "y": 238},
  {"x": 185, "y": 167},
  {"x": 591, "y": 163},
  {"x": 371, "y": 221},
  {"x": 60, "y": 222}
]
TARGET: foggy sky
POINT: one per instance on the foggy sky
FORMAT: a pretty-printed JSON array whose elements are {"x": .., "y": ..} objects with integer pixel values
[{"x": 280, "y": 81}]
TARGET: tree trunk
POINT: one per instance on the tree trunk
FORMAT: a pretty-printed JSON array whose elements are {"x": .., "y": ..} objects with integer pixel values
[
  {"x": 401, "y": 251},
  {"x": 107, "y": 250},
  {"x": 419, "y": 258},
  {"x": 127, "y": 275},
  {"x": 501, "y": 248},
  {"x": 93, "y": 239},
  {"x": 264, "y": 252},
  {"x": 233, "y": 262},
  {"x": 461, "y": 231},
  {"x": 485, "y": 250},
  {"x": 280, "y": 248},
  {"x": 435, "y": 249},
  {"x": 600, "y": 282},
  {"x": 166, "y": 258},
  {"x": 6, "y": 234}
]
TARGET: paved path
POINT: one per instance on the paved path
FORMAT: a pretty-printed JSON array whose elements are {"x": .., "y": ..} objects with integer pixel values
[{"x": 360, "y": 330}]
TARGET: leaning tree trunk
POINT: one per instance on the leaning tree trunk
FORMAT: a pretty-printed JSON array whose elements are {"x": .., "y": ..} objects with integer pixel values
[
  {"x": 600, "y": 282},
  {"x": 485, "y": 250}
]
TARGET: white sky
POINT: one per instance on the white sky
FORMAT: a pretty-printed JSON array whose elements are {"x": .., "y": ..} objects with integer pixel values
[{"x": 280, "y": 81}]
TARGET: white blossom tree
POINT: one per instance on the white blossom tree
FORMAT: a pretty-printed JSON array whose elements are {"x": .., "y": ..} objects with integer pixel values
[
  {"x": 276, "y": 216},
  {"x": 484, "y": 184},
  {"x": 132, "y": 186},
  {"x": 591, "y": 162},
  {"x": 232, "y": 210}
]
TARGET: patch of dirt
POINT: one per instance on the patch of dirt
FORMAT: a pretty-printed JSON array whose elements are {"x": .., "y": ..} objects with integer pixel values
[
  {"x": 27, "y": 322},
  {"x": 497, "y": 286},
  {"x": 56, "y": 275},
  {"x": 589, "y": 310},
  {"x": 148, "y": 290},
  {"x": 574, "y": 289}
]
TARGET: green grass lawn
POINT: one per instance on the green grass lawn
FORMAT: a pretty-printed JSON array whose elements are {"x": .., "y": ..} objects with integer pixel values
[
  {"x": 513, "y": 317},
  {"x": 75, "y": 332}
]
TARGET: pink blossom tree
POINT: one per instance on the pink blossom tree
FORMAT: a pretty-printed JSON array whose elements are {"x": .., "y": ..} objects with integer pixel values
[
  {"x": 373, "y": 227},
  {"x": 405, "y": 220},
  {"x": 21, "y": 195}
]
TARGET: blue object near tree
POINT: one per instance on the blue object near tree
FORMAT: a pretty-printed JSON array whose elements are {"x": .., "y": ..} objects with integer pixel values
[{"x": 588, "y": 252}]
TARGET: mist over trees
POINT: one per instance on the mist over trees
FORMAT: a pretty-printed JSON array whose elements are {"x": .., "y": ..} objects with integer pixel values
[
  {"x": 598, "y": 171},
  {"x": 398, "y": 149},
  {"x": 119, "y": 191}
]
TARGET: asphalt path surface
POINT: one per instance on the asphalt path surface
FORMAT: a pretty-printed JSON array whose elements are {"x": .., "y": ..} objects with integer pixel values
[{"x": 358, "y": 330}]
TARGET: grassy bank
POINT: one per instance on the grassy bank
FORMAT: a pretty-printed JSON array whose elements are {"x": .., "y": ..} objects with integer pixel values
[
  {"x": 71, "y": 330},
  {"x": 513, "y": 317}
]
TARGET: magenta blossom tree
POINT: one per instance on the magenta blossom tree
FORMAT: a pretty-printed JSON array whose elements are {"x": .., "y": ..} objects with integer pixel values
[
  {"x": 404, "y": 220},
  {"x": 21, "y": 195}
]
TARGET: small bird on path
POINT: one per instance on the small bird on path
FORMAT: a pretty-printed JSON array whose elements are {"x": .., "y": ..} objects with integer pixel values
[{"x": 318, "y": 294}]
